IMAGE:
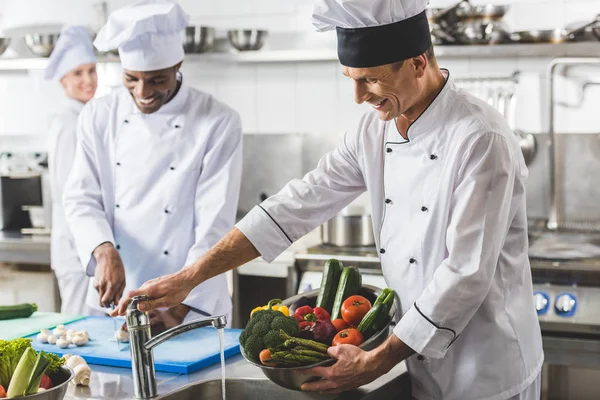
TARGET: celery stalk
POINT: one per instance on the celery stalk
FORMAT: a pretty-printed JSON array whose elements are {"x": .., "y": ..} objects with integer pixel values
[{"x": 20, "y": 380}]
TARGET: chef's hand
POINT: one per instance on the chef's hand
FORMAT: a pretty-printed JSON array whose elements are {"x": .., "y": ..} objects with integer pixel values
[
  {"x": 356, "y": 367},
  {"x": 165, "y": 292},
  {"x": 161, "y": 320},
  {"x": 109, "y": 278}
]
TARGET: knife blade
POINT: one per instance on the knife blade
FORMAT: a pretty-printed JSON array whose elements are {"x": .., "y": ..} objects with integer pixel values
[{"x": 113, "y": 306}]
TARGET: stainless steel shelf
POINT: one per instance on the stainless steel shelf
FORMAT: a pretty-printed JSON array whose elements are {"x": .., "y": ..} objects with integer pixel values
[{"x": 580, "y": 49}]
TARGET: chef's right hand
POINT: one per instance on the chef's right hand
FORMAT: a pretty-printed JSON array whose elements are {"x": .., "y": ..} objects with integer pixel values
[{"x": 109, "y": 278}]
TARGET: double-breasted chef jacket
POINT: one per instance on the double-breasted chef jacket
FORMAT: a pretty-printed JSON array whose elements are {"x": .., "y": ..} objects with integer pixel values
[
  {"x": 450, "y": 225},
  {"x": 162, "y": 187}
]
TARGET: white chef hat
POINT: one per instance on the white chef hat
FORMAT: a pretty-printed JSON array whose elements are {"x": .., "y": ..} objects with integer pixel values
[
  {"x": 375, "y": 32},
  {"x": 73, "y": 48},
  {"x": 147, "y": 34}
]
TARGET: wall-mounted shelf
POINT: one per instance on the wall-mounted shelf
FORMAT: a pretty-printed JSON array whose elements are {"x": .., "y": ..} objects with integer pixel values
[{"x": 580, "y": 49}]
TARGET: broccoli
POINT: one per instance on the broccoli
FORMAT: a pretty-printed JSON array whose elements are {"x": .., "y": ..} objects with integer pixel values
[
  {"x": 262, "y": 331},
  {"x": 10, "y": 354}
]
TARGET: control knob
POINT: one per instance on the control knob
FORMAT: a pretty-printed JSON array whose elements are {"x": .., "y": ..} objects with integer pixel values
[{"x": 565, "y": 304}]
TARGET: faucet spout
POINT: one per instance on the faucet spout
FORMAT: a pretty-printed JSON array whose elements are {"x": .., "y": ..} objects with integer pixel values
[
  {"x": 141, "y": 345},
  {"x": 217, "y": 322}
]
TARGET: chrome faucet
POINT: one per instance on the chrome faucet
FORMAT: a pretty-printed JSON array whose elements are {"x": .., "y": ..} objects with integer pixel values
[{"x": 141, "y": 345}]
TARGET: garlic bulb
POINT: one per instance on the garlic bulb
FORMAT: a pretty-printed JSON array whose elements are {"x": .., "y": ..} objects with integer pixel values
[
  {"x": 42, "y": 337},
  {"x": 82, "y": 375},
  {"x": 40, "y": 390},
  {"x": 62, "y": 343},
  {"x": 52, "y": 339},
  {"x": 122, "y": 336},
  {"x": 79, "y": 340}
]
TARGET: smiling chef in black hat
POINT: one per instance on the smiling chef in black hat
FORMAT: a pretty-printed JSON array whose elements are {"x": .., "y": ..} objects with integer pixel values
[{"x": 446, "y": 180}]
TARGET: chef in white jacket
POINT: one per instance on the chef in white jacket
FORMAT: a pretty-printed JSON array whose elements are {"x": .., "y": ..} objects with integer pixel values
[
  {"x": 73, "y": 64},
  {"x": 157, "y": 170},
  {"x": 446, "y": 180}
]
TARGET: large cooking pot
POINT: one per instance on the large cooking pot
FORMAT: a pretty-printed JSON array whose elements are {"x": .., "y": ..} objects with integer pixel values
[{"x": 348, "y": 230}]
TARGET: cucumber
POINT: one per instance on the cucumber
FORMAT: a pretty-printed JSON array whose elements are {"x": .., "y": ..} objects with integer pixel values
[
  {"x": 329, "y": 283},
  {"x": 386, "y": 297},
  {"x": 374, "y": 320},
  {"x": 17, "y": 311},
  {"x": 350, "y": 284}
]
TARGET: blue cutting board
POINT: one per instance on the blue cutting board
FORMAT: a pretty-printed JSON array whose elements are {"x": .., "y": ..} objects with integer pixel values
[{"x": 184, "y": 354}]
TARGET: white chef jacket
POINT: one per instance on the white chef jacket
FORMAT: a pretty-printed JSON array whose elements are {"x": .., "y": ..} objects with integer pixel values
[
  {"x": 72, "y": 280},
  {"x": 61, "y": 151},
  {"x": 162, "y": 187},
  {"x": 450, "y": 223}
]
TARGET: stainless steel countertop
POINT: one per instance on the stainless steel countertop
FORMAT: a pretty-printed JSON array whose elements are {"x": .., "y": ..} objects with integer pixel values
[
  {"x": 114, "y": 383},
  {"x": 29, "y": 249}
]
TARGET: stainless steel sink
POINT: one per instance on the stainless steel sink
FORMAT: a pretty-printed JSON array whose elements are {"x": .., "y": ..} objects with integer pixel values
[
  {"x": 251, "y": 388},
  {"x": 238, "y": 389}
]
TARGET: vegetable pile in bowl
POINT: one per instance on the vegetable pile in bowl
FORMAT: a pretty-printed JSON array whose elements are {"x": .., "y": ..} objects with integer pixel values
[
  {"x": 24, "y": 371},
  {"x": 296, "y": 333}
]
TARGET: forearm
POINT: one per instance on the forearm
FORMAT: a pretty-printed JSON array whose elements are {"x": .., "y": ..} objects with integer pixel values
[
  {"x": 390, "y": 353},
  {"x": 230, "y": 252}
]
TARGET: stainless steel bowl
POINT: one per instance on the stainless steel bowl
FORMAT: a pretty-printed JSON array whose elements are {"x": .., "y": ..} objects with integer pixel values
[
  {"x": 41, "y": 44},
  {"x": 198, "y": 39},
  {"x": 60, "y": 379},
  {"x": 294, "y": 377},
  {"x": 247, "y": 39},
  {"x": 4, "y": 43},
  {"x": 348, "y": 230},
  {"x": 477, "y": 32}
]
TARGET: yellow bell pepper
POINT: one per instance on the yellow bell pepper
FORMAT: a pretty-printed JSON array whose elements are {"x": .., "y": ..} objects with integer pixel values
[{"x": 272, "y": 305}]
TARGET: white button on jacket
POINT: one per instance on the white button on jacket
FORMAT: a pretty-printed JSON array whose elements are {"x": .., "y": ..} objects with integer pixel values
[
  {"x": 162, "y": 187},
  {"x": 452, "y": 238}
]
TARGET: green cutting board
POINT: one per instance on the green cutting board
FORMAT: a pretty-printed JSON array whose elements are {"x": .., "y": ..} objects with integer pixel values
[{"x": 20, "y": 327}]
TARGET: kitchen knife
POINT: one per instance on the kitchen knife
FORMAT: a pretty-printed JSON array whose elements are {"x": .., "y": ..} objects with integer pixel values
[{"x": 113, "y": 306}]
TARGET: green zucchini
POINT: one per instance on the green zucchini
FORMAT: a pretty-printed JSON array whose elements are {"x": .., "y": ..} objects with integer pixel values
[
  {"x": 329, "y": 283},
  {"x": 17, "y": 311},
  {"x": 374, "y": 320},
  {"x": 350, "y": 284}
]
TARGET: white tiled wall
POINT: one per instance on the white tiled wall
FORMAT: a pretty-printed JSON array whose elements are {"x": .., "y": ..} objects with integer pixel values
[{"x": 313, "y": 98}]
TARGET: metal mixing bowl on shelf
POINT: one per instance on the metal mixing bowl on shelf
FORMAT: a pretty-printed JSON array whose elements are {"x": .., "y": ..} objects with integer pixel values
[
  {"x": 4, "y": 43},
  {"x": 198, "y": 39},
  {"x": 293, "y": 377},
  {"x": 247, "y": 39},
  {"x": 41, "y": 44}
]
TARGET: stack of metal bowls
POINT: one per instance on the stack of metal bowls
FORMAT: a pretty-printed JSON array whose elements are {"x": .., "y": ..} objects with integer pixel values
[
  {"x": 4, "y": 43},
  {"x": 294, "y": 377},
  {"x": 198, "y": 39},
  {"x": 247, "y": 39},
  {"x": 481, "y": 25},
  {"x": 41, "y": 44}
]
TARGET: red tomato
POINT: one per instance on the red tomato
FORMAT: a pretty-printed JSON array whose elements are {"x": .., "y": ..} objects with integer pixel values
[
  {"x": 46, "y": 382},
  {"x": 2, "y": 392},
  {"x": 354, "y": 308},
  {"x": 340, "y": 324},
  {"x": 348, "y": 336}
]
